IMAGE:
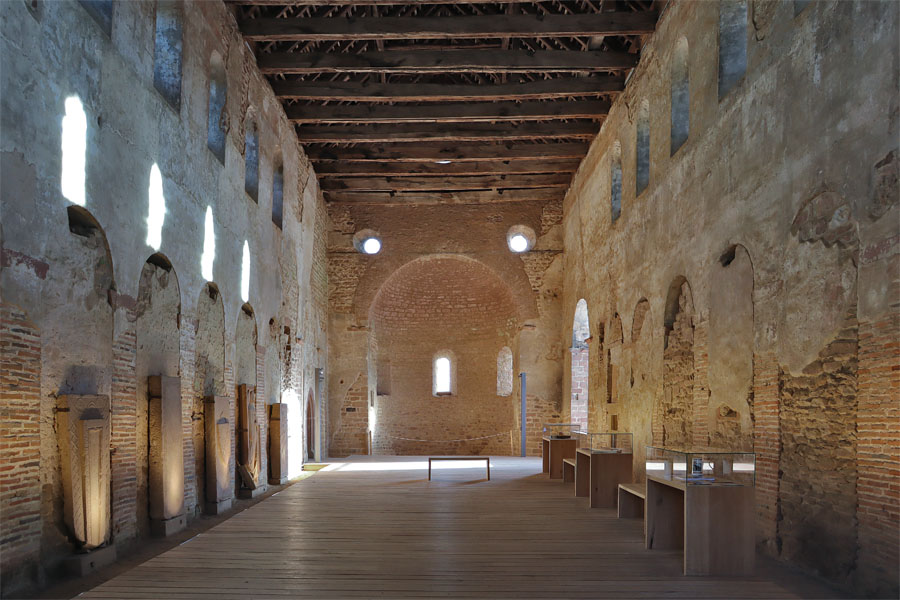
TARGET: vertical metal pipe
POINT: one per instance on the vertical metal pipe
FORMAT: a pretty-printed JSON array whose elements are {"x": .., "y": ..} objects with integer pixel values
[{"x": 522, "y": 378}]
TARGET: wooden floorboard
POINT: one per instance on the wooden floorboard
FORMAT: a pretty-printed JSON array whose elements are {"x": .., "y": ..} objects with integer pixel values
[{"x": 380, "y": 529}]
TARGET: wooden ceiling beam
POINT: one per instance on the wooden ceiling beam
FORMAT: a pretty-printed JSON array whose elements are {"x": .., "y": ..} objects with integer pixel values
[
  {"x": 452, "y": 152},
  {"x": 549, "y": 89},
  {"x": 478, "y": 182},
  {"x": 425, "y": 132},
  {"x": 465, "y": 197},
  {"x": 442, "y": 61},
  {"x": 487, "y": 26},
  {"x": 346, "y": 169},
  {"x": 447, "y": 113},
  {"x": 343, "y": 3}
]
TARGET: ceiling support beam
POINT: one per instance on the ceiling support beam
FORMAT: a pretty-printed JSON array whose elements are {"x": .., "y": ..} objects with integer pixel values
[
  {"x": 467, "y": 197},
  {"x": 443, "y": 61},
  {"x": 549, "y": 89},
  {"x": 448, "y": 113},
  {"x": 453, "y": 152},
  {"x": 480, "y": 182},
  {"x": 473, "y": 132},
  {"x": 446, "y": 28},
  {"x": 347, "y": 169}
]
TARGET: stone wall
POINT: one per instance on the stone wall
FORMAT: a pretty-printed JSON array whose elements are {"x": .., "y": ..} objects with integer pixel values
[
  {"x": 791, "y": 253},
  {"x": 107, "y": 286}
]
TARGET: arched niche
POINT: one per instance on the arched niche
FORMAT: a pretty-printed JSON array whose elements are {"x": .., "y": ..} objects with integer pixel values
[
  {"x": 209, "y": 376},
  {"x": 730, "y": 344},
  {"x": 674, "y": 416},
  {"x": 580, "y": 371},
  {"x": 158, "y": 352},
  {"x": 437, "y": 303},
  {"x": 76, "y": 375}
]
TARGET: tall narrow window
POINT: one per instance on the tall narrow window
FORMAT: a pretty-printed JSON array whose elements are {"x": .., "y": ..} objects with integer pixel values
[
  {"x": 251, "y": 161},
  {"x": 167, "y": 52},
  {"x": 100, "y": 11},
  {"x": 443, "y": 380},
  {"x": 215, "y": 128},
  {"x": 278, "y": 197},
  {"x": 681, "y": 96},
  {"x": 615, "y": 181},
  {"x": 74, "y": 148},
  {"x": 209, "y": 246},
  {"x": 504, "y": 372},
  {"x": 245, "y": 273},
  {"x": 642, "y": 149},
  {"x": 156, "y": 208},
  {"x": 732, "y": 43}
]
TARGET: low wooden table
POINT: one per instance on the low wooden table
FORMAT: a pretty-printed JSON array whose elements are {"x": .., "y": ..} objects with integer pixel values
[
  {"x": 486, "y": 459},
  {"x": 631, "y": 500},
  {"x": 598, "y": 474},
  {"x": 568, "y": 470},
  {"x": 553, "y": 451},
  {"x": 713, "y": 524}
]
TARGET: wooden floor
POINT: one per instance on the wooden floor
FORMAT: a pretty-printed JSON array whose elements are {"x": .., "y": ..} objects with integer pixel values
[{"x": 380, "y": 529}]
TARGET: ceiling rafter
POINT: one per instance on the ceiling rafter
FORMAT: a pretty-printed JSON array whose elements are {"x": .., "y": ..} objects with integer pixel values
[{"x": 403, "y": 102}]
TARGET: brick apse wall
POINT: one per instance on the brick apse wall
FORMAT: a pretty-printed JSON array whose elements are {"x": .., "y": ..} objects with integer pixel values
[
  {"x": 444, "y": 281},
  {"x": 761, "y": 269},
  {"x": 91, "y": 303}
]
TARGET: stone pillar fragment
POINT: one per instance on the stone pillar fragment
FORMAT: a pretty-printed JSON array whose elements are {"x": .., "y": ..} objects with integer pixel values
[
  {"x": 249, "y": 443},
  {"x": 83, "y": 426},
  {"x": 166, "y": 456},
  {"x": 218, "y": 454},
  {"x": 278, "y": 443}
]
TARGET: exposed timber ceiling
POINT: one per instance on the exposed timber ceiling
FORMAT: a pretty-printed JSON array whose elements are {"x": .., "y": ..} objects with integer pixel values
[{"x": 457, "y": 102}]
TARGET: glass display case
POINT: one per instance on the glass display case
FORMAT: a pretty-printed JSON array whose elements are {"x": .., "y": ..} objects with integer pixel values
[
  {"x": 702, "y": 466},
  {"x": 605, "y": 442},
  {"x": 560, "y": 431}
]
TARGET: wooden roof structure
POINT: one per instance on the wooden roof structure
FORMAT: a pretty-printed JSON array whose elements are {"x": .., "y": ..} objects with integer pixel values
[{"x": 464, "y": 102}]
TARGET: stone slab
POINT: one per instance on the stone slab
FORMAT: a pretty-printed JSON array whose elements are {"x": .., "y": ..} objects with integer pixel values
[
  {"x": 218, "y": 508},
  {"x": 167, "y": 527},
  {"x": 166, "y": 448},
  {"x": 88, "y": 562}
]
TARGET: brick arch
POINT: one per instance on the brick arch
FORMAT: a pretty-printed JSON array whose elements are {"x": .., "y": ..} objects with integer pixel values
[
  {"x": 512, "y": 277},
  {"x": 430, "y": 307}
]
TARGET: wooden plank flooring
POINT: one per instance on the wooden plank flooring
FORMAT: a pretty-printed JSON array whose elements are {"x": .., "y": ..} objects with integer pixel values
[{"x": 379, "y": 529}]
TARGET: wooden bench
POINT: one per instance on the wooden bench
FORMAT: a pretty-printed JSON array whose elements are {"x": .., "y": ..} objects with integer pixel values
[
  {"x": 631, "y": 500},
  {"x": 486, "y": 459},
  {"x": 568, "y": 470}
]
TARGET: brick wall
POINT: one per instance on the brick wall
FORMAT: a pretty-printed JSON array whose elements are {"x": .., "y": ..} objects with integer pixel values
[
  {"x": 580, "y": 373},
  {"x": 351, "y": 431},
  {"x": 20, "y": 441},
  {"x": 767, "y": 445},
  {"x": 123, "y": 426},
  {"x": 878, "y": 453}
]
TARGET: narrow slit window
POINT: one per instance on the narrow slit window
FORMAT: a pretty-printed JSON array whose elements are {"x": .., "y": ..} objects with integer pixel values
[
  {"x": 504, "y": 372},
  {"x": 615, "y": 177},
  {"x": 732, "y": 44},
  {"x": 167, "y": 52},
  {"x": 215, "y": 129},
  {"x": 442, "y": 376},
  {"x": 251, "y": 162},
  {"x": 278, "y": 197},
  {"x": 642, "y": 150},
  {"x": 681, "y": 96}
]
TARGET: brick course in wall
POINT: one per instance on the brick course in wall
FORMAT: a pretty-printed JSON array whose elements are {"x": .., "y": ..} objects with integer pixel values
[
  {"x": 123, "y": 442},
  {"x": 20, "y": 440},
  {"x": 351, "y": 431},
  {"x": 767, "y": 446},
  {"x": 878, "y": 454}
]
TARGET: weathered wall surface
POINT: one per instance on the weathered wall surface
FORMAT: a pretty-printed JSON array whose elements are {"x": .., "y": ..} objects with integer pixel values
[
  {"x": 779, "y": 214},
  {"x": 444, "y": 280},
  {"x": 83, "y": 312}
]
